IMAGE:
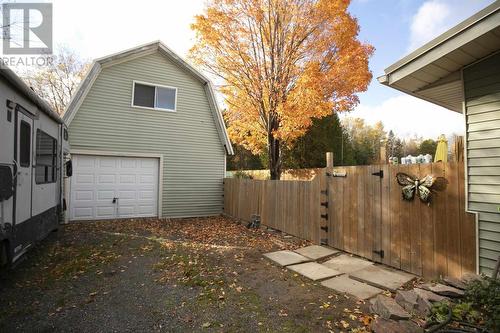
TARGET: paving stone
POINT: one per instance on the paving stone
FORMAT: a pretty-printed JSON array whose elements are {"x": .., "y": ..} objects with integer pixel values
[
  {"x": 382, "y": 277},
  {"x": 443, "y": 290},
  {"x": 469, "y": 277},
  {"x": 316, "y": 252},
  {"x": 285, "y": 257},
  {"x": 358, "y": 289},
  {"x": 454, "y": 282},
  {"x": 407, "y": 299},
  {"x": 314, "y": 271},
  {"x": 425, "y": 300},
  {"x": 347, "y": 264},
  {"x": 381, "y": 325},
  {"x": 387, "y": 308}
]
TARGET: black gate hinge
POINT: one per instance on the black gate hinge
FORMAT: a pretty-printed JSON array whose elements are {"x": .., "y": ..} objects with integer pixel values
[
  {"x": 324, "y": 216},
  {"x": 325, "y": 204},
  {"x": 380, "y": 253},
  {"x": 325, "y": 228},
  {"x": 380, "y": 173}
]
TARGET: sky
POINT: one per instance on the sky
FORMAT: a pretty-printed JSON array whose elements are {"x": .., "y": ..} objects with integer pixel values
[{"x": 394, "y": 27}]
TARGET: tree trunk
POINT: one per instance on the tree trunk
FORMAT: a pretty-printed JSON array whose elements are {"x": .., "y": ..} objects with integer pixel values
[{"x": 274, "y": 157}]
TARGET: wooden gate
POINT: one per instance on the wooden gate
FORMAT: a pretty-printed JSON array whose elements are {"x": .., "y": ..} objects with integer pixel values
[{"x": 367, "y": 217}]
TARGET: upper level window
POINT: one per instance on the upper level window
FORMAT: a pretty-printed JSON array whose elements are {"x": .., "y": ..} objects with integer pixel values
[
  {"x": 154, "y": 97},
  {"x": 46, "y": 158}
]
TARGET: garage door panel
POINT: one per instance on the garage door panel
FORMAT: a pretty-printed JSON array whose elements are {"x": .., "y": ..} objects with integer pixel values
[
  {"x": 83, "y": 195},
  {"x": 83, "y": 212},
  {"x": 108, "y": 163},
  {"x": 98, "y": 179},
  {"x": 85, "y": 162},
  {"x": 127, "y": 195},
  {"x": 127, "y": 179},
  {"x": 126, "y": 163},
  {"x": 105, "y": 212},
  {"x": 103, "y": 195},
  {"x": 84, "y": 178},
  {"x": 106, "y": 179}
]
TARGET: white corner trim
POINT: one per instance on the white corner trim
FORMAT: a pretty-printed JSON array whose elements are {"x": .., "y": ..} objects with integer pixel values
[
  {"x": 131, "y": 154},
  {"x": 466, "y": 170},
  {"x": 81, "y": 92},
  {"x": 219, "y": 119}
]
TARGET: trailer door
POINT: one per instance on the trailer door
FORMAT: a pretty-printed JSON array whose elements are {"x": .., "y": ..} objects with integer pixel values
[{"x": 24, "y": 167}]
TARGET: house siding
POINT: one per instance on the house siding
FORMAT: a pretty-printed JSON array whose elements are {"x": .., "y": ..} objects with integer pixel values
[
  {"x": 482, "y": 106},
  {"x": 193, "y": 155}
]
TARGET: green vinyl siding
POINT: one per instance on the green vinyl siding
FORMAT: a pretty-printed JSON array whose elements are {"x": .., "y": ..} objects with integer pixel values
[
  {"x": 482, "y": 102},
  {"x": 193, "y": 155}
]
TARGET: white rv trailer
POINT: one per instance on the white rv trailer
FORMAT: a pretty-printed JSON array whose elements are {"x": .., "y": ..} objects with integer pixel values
[{"x": 33, "y": 147}]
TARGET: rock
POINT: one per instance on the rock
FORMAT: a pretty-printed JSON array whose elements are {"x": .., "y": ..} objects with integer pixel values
[
  {"x": 407, "y": 299},
  {"x": 429, "y": 295},
  {"x": 454, "y": 282},
  {"x": 425, "y": 300},
  {"x": 469, "y": 277},
  {"x": 387, "y": 308},
  {"x": 381, "y": 325},
  {"x": 443, "y": 290}
]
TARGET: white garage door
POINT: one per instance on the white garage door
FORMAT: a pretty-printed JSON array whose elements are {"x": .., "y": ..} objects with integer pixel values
[{"x": 108, "y": 187}]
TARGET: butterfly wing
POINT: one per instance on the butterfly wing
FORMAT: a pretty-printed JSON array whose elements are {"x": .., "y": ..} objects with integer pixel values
[
  {"x": 404, "y": 179},
  {"x": 408, "y": 192}
]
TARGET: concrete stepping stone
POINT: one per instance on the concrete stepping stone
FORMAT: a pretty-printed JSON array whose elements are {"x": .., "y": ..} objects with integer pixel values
[
  {"x": 314, "y": 271},
  {"x": 344, "y": 284},
  {"x": 347, "y": 264},
  {"x": 443, "y": 290},
  {"x": 382, "y": 277},
  {"x": 387, "y": 308},
  {"x": 316, "y": 252},
  {"x": 285, "y": 257},
  {"x": 381, "y": 325}
]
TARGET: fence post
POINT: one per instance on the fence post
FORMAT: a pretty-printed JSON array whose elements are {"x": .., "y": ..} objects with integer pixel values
[{"x": 329, "y": 160}]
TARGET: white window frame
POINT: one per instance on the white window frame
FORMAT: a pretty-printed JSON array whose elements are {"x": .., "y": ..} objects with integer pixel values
[{"x": 155, "y": 86}]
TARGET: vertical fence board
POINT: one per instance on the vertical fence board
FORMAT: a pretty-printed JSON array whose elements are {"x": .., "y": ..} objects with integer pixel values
[
  {"x": 395, "y": 206},
  {"x": 453, "y": 221},
  {"x": 385, "y": 215},
  {"x": 427, "y": 231}
]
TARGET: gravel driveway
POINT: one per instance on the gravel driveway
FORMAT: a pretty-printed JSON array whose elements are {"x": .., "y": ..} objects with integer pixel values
[{"x": 184, "y": 275}]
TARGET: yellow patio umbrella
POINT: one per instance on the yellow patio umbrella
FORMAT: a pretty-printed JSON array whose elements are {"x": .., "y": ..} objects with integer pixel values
[{"x": 441, "y": 150}]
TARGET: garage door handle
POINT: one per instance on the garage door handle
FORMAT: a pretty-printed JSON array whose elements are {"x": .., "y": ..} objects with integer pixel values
[{"x": 115, "y": 200}]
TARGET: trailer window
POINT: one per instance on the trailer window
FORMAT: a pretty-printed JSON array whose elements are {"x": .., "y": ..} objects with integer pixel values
[
  {"x": 25, "y": 144},
  {"x": 46, "y": 158}
]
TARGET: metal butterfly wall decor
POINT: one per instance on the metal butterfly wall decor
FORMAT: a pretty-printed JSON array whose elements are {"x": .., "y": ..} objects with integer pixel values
[{"x": 411, "y": 185}]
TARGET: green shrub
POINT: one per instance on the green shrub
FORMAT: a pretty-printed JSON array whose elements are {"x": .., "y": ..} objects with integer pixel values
[
  {"x": 484, "y": 295},
  {"x": 242, "y": 175},
  {"x": 463, "y": 311}
]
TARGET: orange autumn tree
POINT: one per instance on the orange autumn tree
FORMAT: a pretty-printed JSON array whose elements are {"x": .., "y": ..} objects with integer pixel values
[{"x": 281, "y": 63}]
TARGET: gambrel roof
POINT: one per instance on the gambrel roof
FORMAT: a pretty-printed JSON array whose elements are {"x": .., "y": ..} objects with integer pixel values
[{"x": 139, "y": 51}]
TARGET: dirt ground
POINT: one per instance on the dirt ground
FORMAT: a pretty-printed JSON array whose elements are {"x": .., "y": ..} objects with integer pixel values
[{"x": 185, "y": 275}]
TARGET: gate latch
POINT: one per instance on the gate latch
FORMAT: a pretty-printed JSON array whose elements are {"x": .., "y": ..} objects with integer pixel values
[
  {"x": 114, "y": 200},
  {"x": 380, "y": 173}
]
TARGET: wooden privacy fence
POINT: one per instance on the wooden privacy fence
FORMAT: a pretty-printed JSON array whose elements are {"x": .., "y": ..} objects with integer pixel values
[
  {"x": 289, "y": 206},
  {"x": 363, "y": 213}
]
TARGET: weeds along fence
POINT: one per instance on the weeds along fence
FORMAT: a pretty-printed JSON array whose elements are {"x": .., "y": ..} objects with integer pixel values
[{"x": 360, "y": 210}]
